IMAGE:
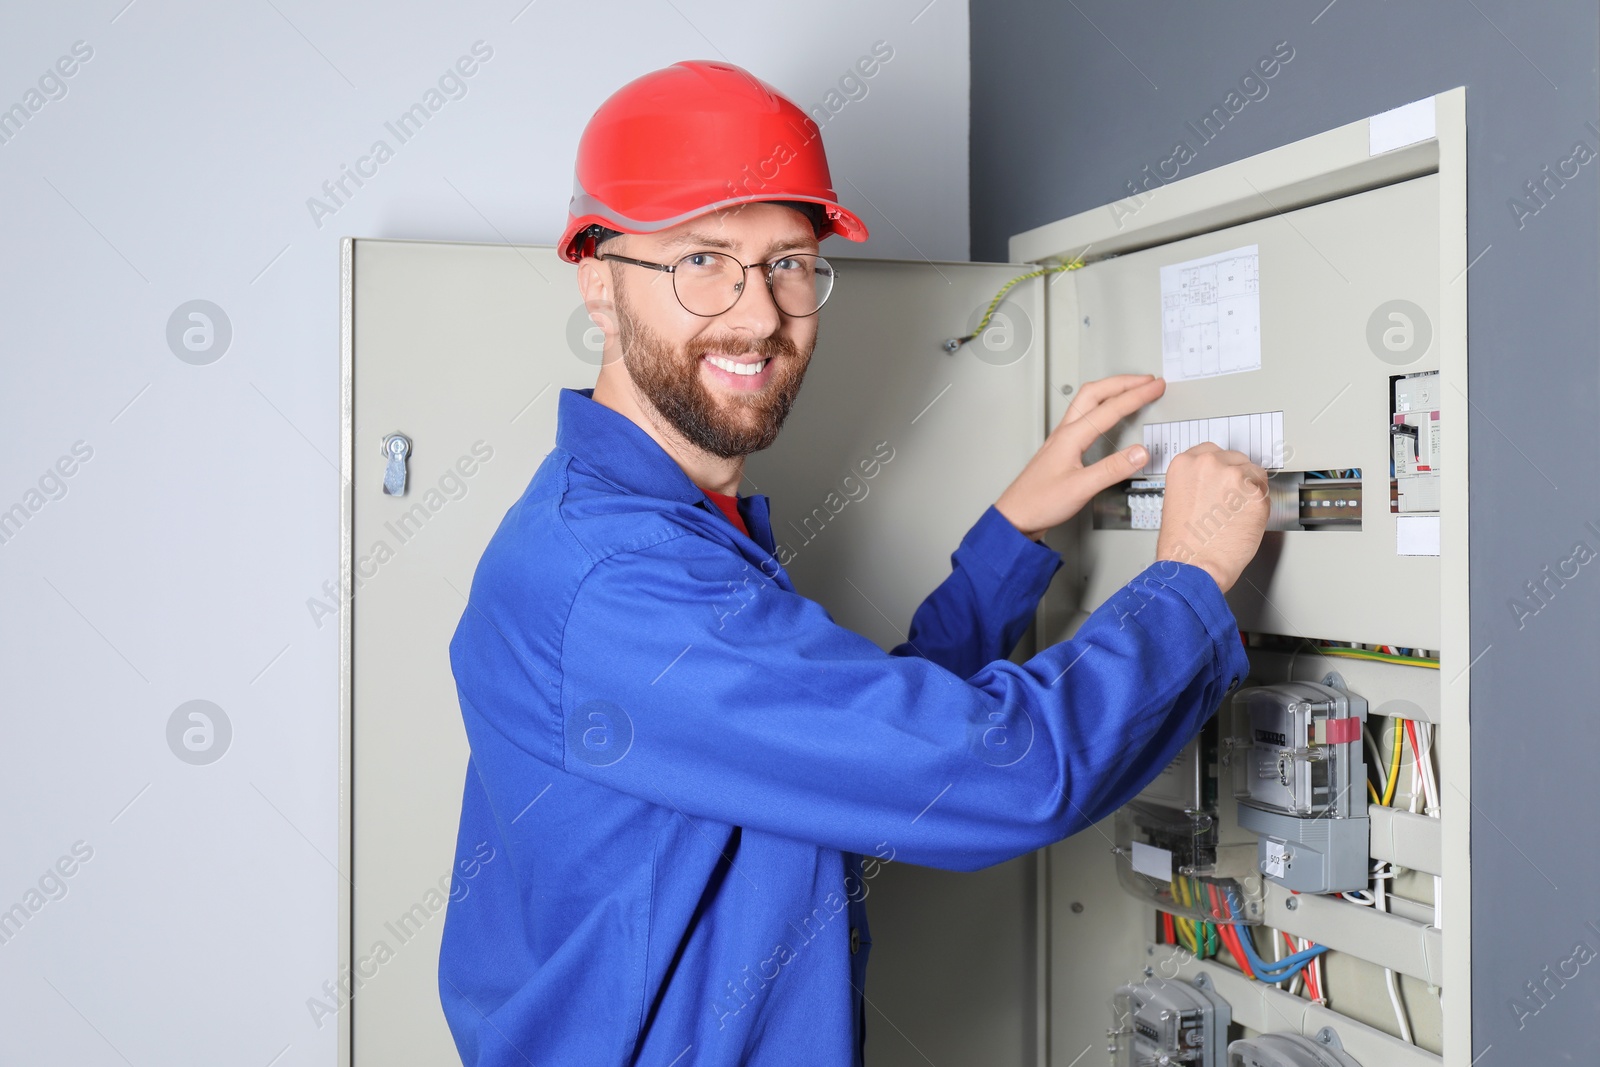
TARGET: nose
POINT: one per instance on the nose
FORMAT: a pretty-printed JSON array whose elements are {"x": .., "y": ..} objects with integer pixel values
[{"x": 755, "y": 309}]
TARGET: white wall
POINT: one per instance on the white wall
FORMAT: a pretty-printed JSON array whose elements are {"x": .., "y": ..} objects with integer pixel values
[{"x": 175, "y": 562}]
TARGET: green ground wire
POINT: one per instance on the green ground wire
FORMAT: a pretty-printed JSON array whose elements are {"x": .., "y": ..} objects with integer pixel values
[{"x": 1052, "y": 268}]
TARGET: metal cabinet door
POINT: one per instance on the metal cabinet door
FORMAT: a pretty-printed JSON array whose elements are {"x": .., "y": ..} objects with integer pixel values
[{"x": 463, "y": 348}]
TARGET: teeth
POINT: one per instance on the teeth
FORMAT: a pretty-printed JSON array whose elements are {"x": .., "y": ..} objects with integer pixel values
[{"x": 738, "y": 368}]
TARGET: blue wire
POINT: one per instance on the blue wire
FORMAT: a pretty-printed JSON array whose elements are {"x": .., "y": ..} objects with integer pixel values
[{"x": 1278, "y": 970}]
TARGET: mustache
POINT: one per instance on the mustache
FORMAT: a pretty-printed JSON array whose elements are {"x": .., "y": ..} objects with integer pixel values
[{"x": 764, "y": 347}]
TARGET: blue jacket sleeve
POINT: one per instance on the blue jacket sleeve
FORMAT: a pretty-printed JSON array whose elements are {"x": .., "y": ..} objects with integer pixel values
[
  {"x": 979, "y": 613},
  {"x": 775, "y": 718}
]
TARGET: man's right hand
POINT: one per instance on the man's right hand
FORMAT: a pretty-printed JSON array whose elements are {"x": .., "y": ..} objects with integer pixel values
[{"x": 1214, "y": 511}]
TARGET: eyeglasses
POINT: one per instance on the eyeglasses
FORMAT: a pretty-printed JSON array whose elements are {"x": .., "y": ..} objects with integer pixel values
[{"x": 708, "y": 284}]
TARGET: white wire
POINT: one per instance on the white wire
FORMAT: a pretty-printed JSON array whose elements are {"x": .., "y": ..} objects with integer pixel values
[
  {"x": 1277, "y": 955},
  {"x": 1422, "y": 768},
  {"x": 1430, "y": 779},
  {"x": 1297, "y": 979},
  {"x": 1381, "y": 899}
]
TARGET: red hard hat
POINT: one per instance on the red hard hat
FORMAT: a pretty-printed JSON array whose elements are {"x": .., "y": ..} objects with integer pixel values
[{"x": 695, "y": 137}]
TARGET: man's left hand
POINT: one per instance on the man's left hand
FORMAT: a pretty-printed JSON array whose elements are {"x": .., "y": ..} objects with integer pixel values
[{"x": 1055, "y": 485}]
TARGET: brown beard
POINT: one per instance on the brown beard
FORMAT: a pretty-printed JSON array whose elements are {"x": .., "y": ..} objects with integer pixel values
[{"x": 670, "y": 379}]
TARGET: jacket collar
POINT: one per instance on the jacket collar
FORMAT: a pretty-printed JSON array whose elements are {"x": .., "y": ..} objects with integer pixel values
[{"x": 618, "y": 450}]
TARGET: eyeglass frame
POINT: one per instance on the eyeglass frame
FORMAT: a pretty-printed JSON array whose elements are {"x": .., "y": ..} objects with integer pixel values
[{"x": 672, "y": 269}]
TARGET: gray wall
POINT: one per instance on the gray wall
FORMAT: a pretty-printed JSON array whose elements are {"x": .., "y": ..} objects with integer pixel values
[{"x": 1070, "y": 101}]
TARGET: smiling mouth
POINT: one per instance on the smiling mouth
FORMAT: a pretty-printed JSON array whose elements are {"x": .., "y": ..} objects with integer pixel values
[{"x": 748, "y": 369}]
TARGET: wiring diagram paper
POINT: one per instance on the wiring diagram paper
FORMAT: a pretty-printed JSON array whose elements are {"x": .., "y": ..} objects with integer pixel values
[{"x": 1211, "y": 315}]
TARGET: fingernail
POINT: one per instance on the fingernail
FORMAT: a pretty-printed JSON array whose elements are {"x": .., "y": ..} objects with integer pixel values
[{"x": 1136, "y": 456}]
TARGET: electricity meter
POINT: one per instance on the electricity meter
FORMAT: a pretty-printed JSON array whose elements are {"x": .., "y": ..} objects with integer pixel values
[
  {"x": 1301, "y": 785},
  {"x": 1290, "y": 1050},
  {"x": 1169, "y": 1021}
]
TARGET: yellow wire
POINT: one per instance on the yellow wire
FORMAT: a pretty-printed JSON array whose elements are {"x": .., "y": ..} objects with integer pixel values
[
  {"x": 1373, "y": 793},
  {"x": 1189, "y": 939},
  {"x": 1394, "y": 764},
  {"x": 1053, "y": 268},
  {"x": 1381, "y": 657}
]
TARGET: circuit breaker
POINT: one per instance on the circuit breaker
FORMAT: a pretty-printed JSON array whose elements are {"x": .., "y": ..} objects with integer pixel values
[{"x": 1416, "y": 435}]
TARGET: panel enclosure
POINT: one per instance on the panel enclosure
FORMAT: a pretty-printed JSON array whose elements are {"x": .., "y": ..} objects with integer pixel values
[{"x": 1342, "y": 231}]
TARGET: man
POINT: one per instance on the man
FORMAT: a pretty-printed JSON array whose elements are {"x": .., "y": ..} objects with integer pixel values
[{"x": 678, "y": 763}]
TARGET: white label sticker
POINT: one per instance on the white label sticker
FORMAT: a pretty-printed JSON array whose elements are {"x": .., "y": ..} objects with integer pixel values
[
  {"x": 1277, "y": 859},
  {"x": 1416, "y": 535},
  {"x": 1258, "y": 435},
  {"x": 1404, "y": 125},
  {"x": 1211, "y": 315},
  {"x": 1152, "y": 861}
]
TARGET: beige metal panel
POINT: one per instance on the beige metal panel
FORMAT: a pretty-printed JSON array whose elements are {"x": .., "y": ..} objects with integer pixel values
[
  {"x": 456, "y": 346},
  {"x": 1386, "y": 940},
  {"x": 1324, "y": 269},
  {"x": 959, "y": 428},
  {"x": 953, "y": 954},
  {"x": 347, "y": 261},
  {"x": 1456, "y": 654},
  {"x": 1097, "y": 939},
  {"x": 1409, "y": 839},
  {"x": 1331, "y": 164}
]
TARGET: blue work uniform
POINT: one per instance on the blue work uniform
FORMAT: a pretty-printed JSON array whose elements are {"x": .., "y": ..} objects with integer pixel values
[{"x": 684, "y": 774}]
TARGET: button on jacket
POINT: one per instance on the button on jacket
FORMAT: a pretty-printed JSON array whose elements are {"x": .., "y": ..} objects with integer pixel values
[{"x": 684, "y": 774}]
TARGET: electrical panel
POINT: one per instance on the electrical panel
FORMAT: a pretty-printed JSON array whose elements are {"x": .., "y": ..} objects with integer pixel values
[{"x": 1293, "y": 852}]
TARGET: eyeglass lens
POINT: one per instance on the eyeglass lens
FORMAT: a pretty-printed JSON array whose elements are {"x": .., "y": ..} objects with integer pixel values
[{"x": 709, "y": 283}]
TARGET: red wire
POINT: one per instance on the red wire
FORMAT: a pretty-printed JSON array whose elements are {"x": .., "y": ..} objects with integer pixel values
[
  {"x": 1311, "y": 979},
  {"x": 1171, "y": 932},
  {"x": 1411, "y": 733},
  {"x": 1230, "y": 938}
]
